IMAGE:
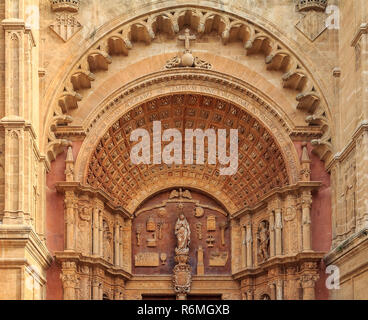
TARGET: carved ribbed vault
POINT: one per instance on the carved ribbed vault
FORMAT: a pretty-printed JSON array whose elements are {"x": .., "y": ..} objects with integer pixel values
[{"x": 261, "y": 163}]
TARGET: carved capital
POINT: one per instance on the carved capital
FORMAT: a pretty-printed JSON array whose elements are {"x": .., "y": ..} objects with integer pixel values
[
  {"x": 309, "y": 281},
  {"x": 306, "y": 200}
]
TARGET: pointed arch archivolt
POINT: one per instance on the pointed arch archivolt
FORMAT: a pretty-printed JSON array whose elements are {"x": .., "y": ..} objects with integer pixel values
[
  {"x": 187, "y": 82},
  {"x": 117, "y": 38}
]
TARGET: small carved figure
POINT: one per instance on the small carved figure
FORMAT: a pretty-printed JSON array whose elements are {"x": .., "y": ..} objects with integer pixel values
[
  {"x": 83, "y": 243},
  {"x": 107, "y": 237},
  {"x": 160, "y": 225},
  {"x": 138, "y": 235},
  {"x": 263, "y": 240},
  {"x": 151, "y": 225},
  {"x": 162, "y": 212},
  {"x": 199, "y": 230},
  {"x": 182, "y": 232}
]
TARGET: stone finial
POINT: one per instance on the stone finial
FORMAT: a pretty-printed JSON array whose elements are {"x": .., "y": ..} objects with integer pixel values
[
  {"x": 65, "y": 5},
  {"x": 305, "y": 162},
  {"x": 69, "y": 165},
  {"x": 306, "y": 5}
]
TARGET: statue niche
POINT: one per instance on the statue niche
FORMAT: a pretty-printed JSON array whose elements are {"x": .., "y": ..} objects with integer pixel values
[
  {"x": 84, "y": 230},
  {"x": 263, "y": 241},
  {"x": 107, "y": 238}
]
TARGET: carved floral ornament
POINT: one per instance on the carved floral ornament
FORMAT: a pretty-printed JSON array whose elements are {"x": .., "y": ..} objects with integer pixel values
[{"x": 230, "y": 28}]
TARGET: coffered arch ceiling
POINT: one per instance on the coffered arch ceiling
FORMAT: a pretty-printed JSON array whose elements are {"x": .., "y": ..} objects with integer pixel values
[
  {"x": 262, "y": 166},
  {"x": 230, "y": 28}
]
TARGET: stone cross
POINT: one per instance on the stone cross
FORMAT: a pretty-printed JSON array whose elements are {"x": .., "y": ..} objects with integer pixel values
[{"x": 187, "y": 37}]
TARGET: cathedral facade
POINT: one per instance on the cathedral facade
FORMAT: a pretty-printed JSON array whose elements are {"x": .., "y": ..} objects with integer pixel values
[{"x": 80, "y": 220}]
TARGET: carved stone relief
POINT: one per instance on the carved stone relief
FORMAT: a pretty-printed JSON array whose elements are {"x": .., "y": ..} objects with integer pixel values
[{"x": 175, "y": 228}]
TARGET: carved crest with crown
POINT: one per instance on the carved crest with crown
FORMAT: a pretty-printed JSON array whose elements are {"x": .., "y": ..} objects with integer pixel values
[
  {"x": 305, "y": 5},
  {"x": 65, "y": 5}
]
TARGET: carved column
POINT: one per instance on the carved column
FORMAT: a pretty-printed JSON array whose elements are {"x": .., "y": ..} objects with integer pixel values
[
  {"x": 117, "y": 245},
  {"x": 95, "y": 289},
  {"x": 69, "y": 166},
  {"x": 121, "y": 251},
  {"x": 279, "y": 290},
  {"x": 306, "y": 220},
  {"x": 69, "y": 279},
  {"x": 309, "y": 277},
  {"x": 243, "y": 247},
  {"x": 119, "y": 289},
  {"x": 235, "y": 245},
  {"x": 69, "y": 220},
  {"x": 249, "y": 241},
  {"x": 127, "y": 249},
  {"x": 272, "y": 234},
  {"x": 100, "y": 232},
  {"x": 250, "y": 295},
  {"x": 95, "y": 232},
  {"x": 85, "y": 283},
  {"x": 291, "y": 290},
  {"x": 308, "y": 283},
  {"x": 278, "y": 227},
  {"x": 272, "y": 286}
]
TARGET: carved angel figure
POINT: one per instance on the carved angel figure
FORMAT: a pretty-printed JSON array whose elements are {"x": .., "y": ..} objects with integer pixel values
[{"x": 182, "y": 232}]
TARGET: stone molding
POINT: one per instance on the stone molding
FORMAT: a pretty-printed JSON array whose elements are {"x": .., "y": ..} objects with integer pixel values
[{"x": 103, "y": 50}]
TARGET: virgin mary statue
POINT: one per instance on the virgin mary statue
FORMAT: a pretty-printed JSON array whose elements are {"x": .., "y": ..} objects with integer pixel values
[{"x": 182, "y": 232}]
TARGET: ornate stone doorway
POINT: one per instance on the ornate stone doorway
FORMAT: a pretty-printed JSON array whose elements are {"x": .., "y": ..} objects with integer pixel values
[{"x": 250, "y": 232}]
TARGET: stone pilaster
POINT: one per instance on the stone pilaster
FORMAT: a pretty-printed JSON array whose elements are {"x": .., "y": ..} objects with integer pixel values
[
  {"x": 272, "y": 286},
  {"x": 117, "y": 245},
  {"x": 70, "y": 220},
  {"x": 127, "y": 244},
  {"x": 278, "y": 232},
  {"x": 306, "y": 220},
  {"x": 249, "y": 241},
  {"x": 243, "y": 246},
  {"x": 235, "y": 245},
  {"x": 309, "y": 277},
  {"x": 279, "y": 289},
  {"x": 272, "y": 233},
  {"x": 95, "y": 232}
]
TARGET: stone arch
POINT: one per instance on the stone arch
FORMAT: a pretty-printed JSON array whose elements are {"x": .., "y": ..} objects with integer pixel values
[
  {"x": 117, "y": 38},
  {"x": 126, "y": 99}
]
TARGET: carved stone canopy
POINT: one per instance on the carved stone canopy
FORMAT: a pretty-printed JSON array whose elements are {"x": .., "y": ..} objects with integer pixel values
[{"x": 262, "y": 166}]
